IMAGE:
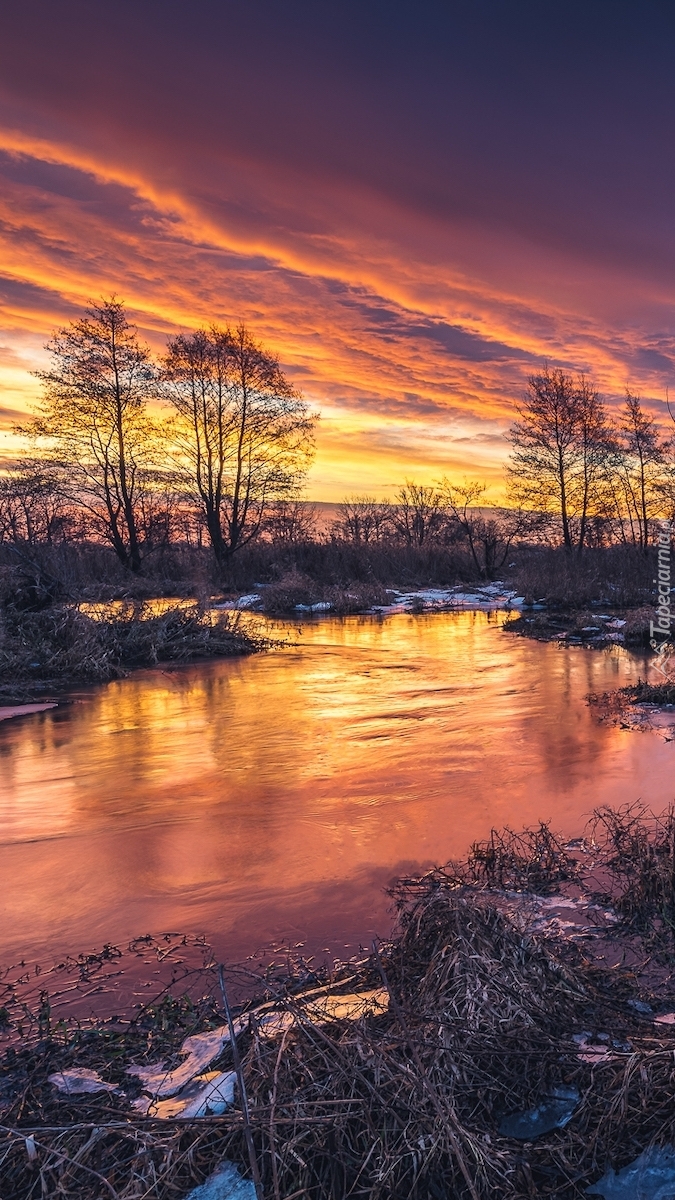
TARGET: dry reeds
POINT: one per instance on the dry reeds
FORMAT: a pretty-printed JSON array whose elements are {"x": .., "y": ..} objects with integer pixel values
[
  {"x": 401, "y": 1100},
  {"x": 533, "y": 860},
  {"x": 636, "y": 850},
  {"x": 61, "y": 644},
  {"x": 293, "y": 589}
]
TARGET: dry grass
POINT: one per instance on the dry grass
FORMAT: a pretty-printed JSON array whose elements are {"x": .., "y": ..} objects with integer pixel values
[
  {"x": 405, "y": 1103},
  {"x": 60, "y": 645},
  {"x": 293, "y": 589},
  {"x": 649, "y": 693},
  {"x": 613, "y": 576},
  {"x": 533, "y": 860},
  {"x": 637, "y": 853}
]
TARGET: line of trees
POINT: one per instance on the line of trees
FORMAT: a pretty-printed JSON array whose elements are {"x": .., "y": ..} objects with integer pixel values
[
  {"x": 210, "y": 445},
  {"x": 444, "y": 515},
  {"x": 239, "y": 440}
]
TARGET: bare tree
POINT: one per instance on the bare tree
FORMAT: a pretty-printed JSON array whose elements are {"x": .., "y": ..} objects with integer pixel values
[
  {"x": 642, "y": 465},
  {"x": 32, "y": 508},
  {"x": 561, "y": 443},
  {"x": 243, "y": 434},
  {"x": 290, "y": 522},
  {"x": 419, "y": 515},
  {"x": 594, "y": 445},
  {"x": 93, "y": 424},
  {"x": 363, "y": 520},
  {"x": 489, "y": 533}
]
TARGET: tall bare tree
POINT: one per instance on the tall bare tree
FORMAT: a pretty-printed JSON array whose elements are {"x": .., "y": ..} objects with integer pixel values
[
  {"x": 643, "y": 462},
  {"x": 561, "y": 442},
  {"x": 594, "y": 445},
  {"x": 419, "y": 514},
  {"x": 93, "y": 425},
  {"x": 243, "y": 433}
]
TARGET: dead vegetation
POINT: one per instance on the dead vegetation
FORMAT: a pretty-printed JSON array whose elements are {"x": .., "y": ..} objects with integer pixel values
[
  {"x": 650, "y": 693},
  {"x": 637, "y": 852},
  {"x": 619, "y": 576},
  {"x": 403, "y": 1099},
  {"x": 60, "y": 645},
  {"x": 586, "y": 626},
  {"x": 294, "y": 588},
  {"x": 639, "y": 706},
  {"x": 533, "y": 860}
]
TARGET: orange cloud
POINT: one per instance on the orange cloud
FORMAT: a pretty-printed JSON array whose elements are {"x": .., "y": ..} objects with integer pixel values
[{"x": 413, "y": 333}]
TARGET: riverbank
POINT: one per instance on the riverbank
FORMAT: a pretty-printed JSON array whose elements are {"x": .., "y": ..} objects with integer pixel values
[
  {"x": 586, "y": 626},
  {"x": 487, "y": 1048},
  {"x": 45, "y": 653}
]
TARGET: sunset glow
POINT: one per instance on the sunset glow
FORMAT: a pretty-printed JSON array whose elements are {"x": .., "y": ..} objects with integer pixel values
[{"x": 344, "y": 205}]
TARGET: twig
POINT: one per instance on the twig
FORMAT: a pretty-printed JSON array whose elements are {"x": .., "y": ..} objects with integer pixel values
[
  {"x": 273, "y": 1146},
  {"x": 443, "y": 1113},
  {"x": 64, "y": 1158},
  {"x": 255, "y": 1172}
]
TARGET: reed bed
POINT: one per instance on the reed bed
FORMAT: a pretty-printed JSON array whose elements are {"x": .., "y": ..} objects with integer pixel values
[
  {"x": 61, "y": 645},
  {"x": 400, "y": 1099}
]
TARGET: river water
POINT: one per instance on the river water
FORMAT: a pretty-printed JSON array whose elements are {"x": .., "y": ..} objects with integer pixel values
[{"x": 273, "y": 797}]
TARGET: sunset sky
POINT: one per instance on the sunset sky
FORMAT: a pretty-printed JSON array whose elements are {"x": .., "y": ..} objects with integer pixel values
[{"x": 414, "y": 204}]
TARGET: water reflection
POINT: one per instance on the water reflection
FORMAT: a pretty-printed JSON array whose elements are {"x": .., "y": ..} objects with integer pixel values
[{"x": 275, "y": 795}]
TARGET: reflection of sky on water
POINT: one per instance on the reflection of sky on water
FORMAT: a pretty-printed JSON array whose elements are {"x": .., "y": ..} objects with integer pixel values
[{"x": 275, "y": 795}]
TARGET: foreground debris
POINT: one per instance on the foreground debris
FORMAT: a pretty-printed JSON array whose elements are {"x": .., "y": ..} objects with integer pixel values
[
  {"x": 641, "y": 706},
  {"x": 478, "y": 1053}
]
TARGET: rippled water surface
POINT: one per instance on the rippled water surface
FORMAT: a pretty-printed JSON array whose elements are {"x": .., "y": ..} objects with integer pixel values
[{"x": 274, "y": 796}]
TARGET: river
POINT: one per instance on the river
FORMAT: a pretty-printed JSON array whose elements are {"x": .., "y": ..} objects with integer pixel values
[{"x": 273, "y": 797}]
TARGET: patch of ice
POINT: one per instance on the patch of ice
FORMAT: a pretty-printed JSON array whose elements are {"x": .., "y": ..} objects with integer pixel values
[
  {"x": 649, "y": 1177},
  {"x": 24, "y": 710},
  {"x": 323, "y": 1009},
  {"x": 225, "y": 1184},
  {"x": 79, "y": 1081},
  {"x": 641, "y": 1007},
  {"x": 273, "y": 1024},
  {"x": 201, "y": 1049},
  {"x": 210, "y": 1093},
  {"x": 350, "y": 1006},
  {"x": 554, "y": 1112},
  {"x": 247, "y": 601}
]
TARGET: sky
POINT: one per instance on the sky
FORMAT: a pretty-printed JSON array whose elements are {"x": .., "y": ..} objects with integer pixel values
[{"x": 415, "y": 205}]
